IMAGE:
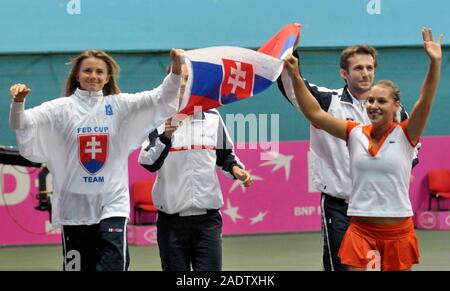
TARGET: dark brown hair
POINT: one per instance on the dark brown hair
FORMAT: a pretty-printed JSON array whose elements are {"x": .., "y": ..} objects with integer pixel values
[
  {"x": 113, "y": 71},
  {"x": 357, "y": 50},
  {"x": 395, "y": 90}
]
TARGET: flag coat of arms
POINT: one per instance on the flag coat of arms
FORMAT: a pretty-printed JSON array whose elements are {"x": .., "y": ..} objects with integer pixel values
[{"x": 93, "y": 151}]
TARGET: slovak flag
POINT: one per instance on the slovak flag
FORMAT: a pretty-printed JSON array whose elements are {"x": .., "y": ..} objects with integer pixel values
[
  {"x": 283, "y": 42},
  {"x": 221, "y": 75},
  {"x": 280, "y": 45},
  {"x": 93, "y": 151}
]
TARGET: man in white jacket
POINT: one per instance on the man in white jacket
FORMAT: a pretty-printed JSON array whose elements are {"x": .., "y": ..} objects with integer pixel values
[{"x": 187, "y": 192}]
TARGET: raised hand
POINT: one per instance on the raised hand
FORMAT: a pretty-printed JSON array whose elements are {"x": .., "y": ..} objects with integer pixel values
[
  {"x": 291, "y": 65},
  {"x": 176, "y": 55},
  {"x": 170, "y": 127},
  {"x": 421, "y": 110},
  {"x": 19, "y": 92},
  {"x": 432, "y": 48}
]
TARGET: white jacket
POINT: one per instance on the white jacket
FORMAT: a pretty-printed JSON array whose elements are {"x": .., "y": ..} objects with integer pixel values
[
  {"x": 187, "y": 182},
  {"x": 85, "y": 141}
]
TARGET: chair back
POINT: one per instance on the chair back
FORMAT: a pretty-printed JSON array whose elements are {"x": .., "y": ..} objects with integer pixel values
[
  {"x": 142, "y": 192},
  {"x": 439, "y": 180}
]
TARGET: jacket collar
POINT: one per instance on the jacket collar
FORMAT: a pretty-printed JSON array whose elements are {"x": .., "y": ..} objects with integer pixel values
[
  {"x": 347, "y": 96},
  {"x": 88, "y": 95}
]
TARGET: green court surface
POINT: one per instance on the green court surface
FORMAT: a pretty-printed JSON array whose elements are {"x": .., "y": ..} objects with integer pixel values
[{"x": 269, "y": 252}]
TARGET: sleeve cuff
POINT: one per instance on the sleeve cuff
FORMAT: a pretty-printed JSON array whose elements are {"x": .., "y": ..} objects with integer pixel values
[
  {"x": 17, "y": 107},
  {"x": 230, "y": 168},
  {"x": 174, "y": 79},
  {"x": 17, "y": 115},
  {"x": 165, "y": 140}
]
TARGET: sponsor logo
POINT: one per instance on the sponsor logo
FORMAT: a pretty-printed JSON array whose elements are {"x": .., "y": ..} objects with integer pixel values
[
  {"x": 115, "y": 229},
  {"x": 150, "y": 235},
  {"x": 427, "y": 220},
  {"x": 108, "y": 110}
]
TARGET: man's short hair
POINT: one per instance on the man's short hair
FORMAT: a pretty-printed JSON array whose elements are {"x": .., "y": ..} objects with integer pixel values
[{"x": 361, "y": 49}]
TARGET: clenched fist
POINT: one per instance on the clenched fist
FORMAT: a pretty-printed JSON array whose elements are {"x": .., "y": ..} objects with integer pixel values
[{"x": 19, "y": 92}]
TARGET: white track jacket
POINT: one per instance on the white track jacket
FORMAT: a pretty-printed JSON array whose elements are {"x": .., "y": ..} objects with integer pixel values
[{"x": 85, "y": 140}]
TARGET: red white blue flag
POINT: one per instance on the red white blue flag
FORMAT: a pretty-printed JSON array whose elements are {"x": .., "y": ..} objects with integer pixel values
[
  {"x": 221, "y": 75},
  {"x": 283, "y": 42}
]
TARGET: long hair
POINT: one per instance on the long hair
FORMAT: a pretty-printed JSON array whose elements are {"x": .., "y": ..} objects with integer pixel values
[{"x": 110, "y": 88}]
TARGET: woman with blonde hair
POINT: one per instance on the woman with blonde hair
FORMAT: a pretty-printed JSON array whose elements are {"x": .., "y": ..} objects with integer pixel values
[{"x": 85, "y": 139}]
